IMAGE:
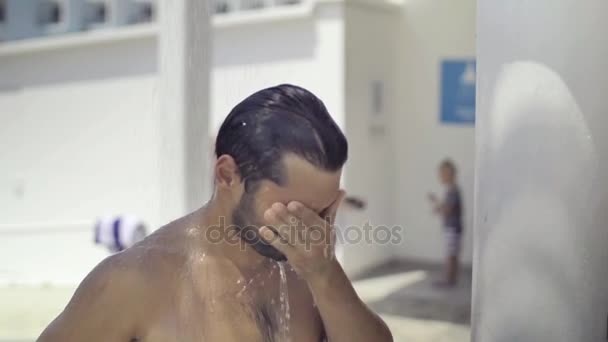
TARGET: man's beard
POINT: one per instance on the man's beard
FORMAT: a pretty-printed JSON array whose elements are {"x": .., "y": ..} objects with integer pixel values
[{"x": 243, "y": 218}]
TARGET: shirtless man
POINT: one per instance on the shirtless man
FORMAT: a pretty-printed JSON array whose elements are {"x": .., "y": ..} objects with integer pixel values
[{"x": 277, "y": 176}]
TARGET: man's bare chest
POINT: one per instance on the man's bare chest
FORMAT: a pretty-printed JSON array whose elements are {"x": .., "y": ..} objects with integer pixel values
[{"x": 264, "y": 313}]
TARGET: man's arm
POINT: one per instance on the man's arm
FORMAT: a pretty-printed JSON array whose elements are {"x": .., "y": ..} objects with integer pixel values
[
  {"x": 342, "y": 310},
  {"x": 100, "y": 310}
]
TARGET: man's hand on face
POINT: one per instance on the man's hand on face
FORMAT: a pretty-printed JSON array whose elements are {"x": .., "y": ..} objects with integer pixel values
[{"x": 306, "y": 238}]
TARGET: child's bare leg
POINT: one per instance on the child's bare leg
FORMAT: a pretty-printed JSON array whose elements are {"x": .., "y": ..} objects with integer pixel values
[{"x": 453, "y": 267}]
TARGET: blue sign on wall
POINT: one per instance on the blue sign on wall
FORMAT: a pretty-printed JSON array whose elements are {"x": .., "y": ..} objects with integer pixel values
[{"x": 458, "y": 91}]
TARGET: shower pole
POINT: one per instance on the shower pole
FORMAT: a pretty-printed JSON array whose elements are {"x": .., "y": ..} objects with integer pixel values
[{"x": 184, "y": 51}]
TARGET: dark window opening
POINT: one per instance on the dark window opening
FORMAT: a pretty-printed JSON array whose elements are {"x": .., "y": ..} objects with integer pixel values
[
  {"x": 2, "y": 11},
  {"x": 144, "y": 13},
  {"x": 292, "y": 2},
  {"x": 222, "y": 7},
  {"x": 97, "y": 13},
  {"x": 148, "y": 12},
  {"x": 49, "y": 12},
  {"x": 253, "y": 4}
]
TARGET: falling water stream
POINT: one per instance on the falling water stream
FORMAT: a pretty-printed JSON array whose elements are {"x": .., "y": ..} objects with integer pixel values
[{"x": 284, "y": 314}]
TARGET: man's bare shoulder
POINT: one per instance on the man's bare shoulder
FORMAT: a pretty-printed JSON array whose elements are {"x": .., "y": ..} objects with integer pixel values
[
  {"x": 117, "y": 276},
  {"x": 109, "y": 293},
  {"x": 138, "y": 269}
]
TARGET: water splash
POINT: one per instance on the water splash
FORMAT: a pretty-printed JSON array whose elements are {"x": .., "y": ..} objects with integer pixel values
[
  {"x": 245, "y": 287},
  {"x": 284, "y": 301}
]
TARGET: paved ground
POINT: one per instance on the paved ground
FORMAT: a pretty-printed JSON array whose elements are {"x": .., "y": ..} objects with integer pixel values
[
  {"x": 401, "y": 292},
  {"x": 415, "y": 310},
  {"x": 420, "y": 299}
]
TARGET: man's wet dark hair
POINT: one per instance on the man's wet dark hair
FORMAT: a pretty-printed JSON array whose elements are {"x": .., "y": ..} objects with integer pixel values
[{"x": 261, "y": 129}]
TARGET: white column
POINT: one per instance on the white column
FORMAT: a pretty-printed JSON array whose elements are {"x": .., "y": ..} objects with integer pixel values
[
  {"x": 541, "y": 227},
  {"x": 184, "y": 66}
]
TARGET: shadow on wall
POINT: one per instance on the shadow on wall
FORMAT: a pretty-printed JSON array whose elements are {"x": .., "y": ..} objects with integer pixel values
[
  {"x": 536, "y": 198},
  {"x": 82, "y": 63}
]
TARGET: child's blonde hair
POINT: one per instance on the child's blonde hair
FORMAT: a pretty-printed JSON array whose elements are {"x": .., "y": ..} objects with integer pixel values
[{"x": 448, "y": 164}]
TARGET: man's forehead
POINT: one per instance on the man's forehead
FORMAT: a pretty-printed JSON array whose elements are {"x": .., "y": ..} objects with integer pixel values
[
  {"x": 318, "y": 205},
  {"x": 305, "y": 183},
  {"x": 315, "y": 200}
]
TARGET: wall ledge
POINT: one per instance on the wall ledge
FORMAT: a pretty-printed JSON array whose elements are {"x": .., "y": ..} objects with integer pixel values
[
  {"x": 143, "y": 31},
  {"x": 78, "y": 39},
  {"x": 281, "y": 13},
  {"x": 152, "y": 30},
  {"x": 391, "y": 6}
]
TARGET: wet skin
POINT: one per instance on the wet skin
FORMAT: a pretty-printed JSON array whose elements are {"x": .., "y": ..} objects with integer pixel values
[{"x": 181, "y": 285}]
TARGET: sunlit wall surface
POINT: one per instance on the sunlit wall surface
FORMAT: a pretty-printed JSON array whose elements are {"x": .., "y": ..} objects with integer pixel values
[{"x": 541, "y": 194}]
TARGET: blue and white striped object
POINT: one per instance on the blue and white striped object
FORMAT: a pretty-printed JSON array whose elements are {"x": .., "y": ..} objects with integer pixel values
[{"x": 118, "y": 233}]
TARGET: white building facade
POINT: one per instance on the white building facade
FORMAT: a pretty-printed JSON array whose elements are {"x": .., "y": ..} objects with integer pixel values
[{"x": 83, "y": 132}]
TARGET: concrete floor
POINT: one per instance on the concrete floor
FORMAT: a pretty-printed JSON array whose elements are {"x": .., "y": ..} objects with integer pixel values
[
  {"x": 415, "y": 310},
  {"x": 401, "y": 292}
]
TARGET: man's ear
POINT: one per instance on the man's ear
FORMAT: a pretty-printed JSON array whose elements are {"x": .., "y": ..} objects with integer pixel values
[{"x": 226, "y": 172}]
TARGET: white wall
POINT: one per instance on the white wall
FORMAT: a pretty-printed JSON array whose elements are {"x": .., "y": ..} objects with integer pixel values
[
  {"x": 370, "y": 53},
  {"x": 431, "y": 30},
  {"x": 78, "y": 139},
  {"x": 306, "y": 50},
  {"x": 80, "y": 125},
  {"x": 81, "y": 128}
]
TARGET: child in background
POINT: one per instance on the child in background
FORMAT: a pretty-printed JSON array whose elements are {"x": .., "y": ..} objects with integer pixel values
[{"x": 450, "y": 210}]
